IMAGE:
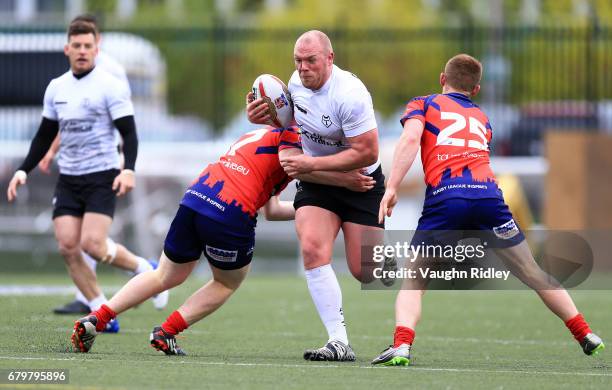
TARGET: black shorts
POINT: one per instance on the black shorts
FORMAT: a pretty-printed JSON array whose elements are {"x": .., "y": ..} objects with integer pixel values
[
  {"x": 350, "y": 206},
  {"x": 89, "y": 193}
]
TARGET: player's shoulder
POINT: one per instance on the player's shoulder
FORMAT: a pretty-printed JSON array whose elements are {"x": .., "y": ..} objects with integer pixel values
[
  {"x": 111, "y": 65},
  {"x": 102, "y": 74},
  {"x": 107, "y": 62},
  {"x": 345, "y": 82},
  {"x": 58, "y": 82},
  {"x": 64, "y": 77},
  {"x": 421, "y": 98},
  {"x": 107, "y": 82}
]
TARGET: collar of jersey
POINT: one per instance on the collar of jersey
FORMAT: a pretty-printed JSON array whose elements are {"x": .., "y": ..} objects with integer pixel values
[
  {"x": 459, "y": 95},
  {"x": 325, "y": 86},
  {"x": 80, "y": 76}
]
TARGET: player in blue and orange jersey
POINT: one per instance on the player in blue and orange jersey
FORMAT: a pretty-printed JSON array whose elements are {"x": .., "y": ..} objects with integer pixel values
[
  {"x": 217, "y": 217},
  {"x": 462, "y": 195}
]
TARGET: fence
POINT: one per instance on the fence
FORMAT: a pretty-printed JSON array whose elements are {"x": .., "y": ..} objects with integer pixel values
[
  {"x": 191, "y": 87},
  {"x": 534, "y": 78}
]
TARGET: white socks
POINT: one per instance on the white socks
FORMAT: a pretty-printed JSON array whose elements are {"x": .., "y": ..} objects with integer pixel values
[
  {"x": 91, "y": 263},
  {"x": 98, "y": 301},
  {"x": 143, "y": 265},
  {"x": 327, "y": 297}
]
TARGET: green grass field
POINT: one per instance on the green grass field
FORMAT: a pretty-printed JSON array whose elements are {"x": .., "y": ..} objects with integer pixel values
[{"x": 471, "y": 340}]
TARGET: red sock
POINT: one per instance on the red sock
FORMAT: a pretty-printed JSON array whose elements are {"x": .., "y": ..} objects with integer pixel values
[
  {"x": 403, "y": 335},
  {"x": 175, "y": 324},
  {"x": 578, "y": 326},
  {"x": 104, "y": 315}
]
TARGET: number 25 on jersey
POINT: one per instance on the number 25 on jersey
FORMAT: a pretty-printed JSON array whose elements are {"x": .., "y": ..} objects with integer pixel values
[{"x": 445, "y": 137}]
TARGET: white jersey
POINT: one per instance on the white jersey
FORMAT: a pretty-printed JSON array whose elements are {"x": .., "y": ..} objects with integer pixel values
[
  {"x": 109, "y": 64},
  {"x": 341, "y": 108},
  {"x": 112, "y": 66},
  {"x": 85, "y": 109}
]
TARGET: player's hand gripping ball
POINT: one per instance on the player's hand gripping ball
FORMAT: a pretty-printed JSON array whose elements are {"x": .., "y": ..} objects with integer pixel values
[{"x": 276, "y": 95}]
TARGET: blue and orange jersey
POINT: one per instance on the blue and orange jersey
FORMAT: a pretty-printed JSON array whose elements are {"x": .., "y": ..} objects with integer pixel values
[
  {"x": 232, "y": 189},
  {"x": 454, "y": 147}
]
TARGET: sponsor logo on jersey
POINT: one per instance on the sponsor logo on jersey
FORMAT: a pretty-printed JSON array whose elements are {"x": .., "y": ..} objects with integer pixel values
[
  {"x": 316, "y": 138},
  {"x": 235, "y": 167},
  {"x": 77, "y": 125},
  {"x": 507, "y": 230},
  {"x": 222, "y": 255},
  {"x": 326, "y": 120},
  {"x": 301, "y": 109}
]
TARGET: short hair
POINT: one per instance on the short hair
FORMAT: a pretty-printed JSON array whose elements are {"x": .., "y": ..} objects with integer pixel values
[
  {"x": 87, "y": 18},
  {"x": 463, "y": 72},
  {"x": 79, "y": 27}
]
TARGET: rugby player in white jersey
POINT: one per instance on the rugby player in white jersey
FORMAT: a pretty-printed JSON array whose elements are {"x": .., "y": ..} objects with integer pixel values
[
  {"x": 85, "y": 105},
  {"x": 334, "y": 111},
  {"x": 109, "y": 64}
]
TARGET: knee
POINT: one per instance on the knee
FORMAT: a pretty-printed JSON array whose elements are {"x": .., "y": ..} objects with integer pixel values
[
  {"x": 94, "y": 246},
  {"x": 69, "y": 249},
  {"x": 314, "y": 255},
  {"x": 361, "y": 276}
]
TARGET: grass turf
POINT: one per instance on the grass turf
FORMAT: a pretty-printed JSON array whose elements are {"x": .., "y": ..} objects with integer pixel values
[{"x": 471, "y": 340}]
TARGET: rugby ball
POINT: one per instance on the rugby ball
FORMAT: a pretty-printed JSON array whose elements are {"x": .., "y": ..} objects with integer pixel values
[{"x": 275, "y": 93}]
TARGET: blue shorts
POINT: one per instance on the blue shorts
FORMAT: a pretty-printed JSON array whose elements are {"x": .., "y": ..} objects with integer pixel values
[
  {"x": 192, "y": 234},
  {"x": 455, "y": 219}
]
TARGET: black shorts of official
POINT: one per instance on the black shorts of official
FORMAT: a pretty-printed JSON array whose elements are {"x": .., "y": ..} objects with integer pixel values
[
  {"x": 357, "y": 207},
  {"x": 89, "y": 193},
  {"x": 192, "y": 234}
]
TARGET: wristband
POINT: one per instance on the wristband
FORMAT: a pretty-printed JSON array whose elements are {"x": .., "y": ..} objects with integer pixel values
[{"x": 22, "y": 175}]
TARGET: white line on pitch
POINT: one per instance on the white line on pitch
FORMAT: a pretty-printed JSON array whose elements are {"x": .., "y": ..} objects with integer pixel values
[
  {"x": 44, "y": 290},
  {"x": 361, "y": 337},
  {"x": 434, "y": 369}
]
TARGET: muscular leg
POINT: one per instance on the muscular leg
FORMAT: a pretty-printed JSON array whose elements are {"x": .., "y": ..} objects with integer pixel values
[
  {"x": 145, "y": 285},
  {"x": 213, "y": 294},
  {"x": 522, "y": 264},
  {"x": 91, "y": 263},
  {"x": 353, "y": 240},
  {"x": 68, "y": 234},
  {"x": 408, "y": 301},
  {"x": 317, "y": 229},
  {"x": 93, "y": 240}
]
